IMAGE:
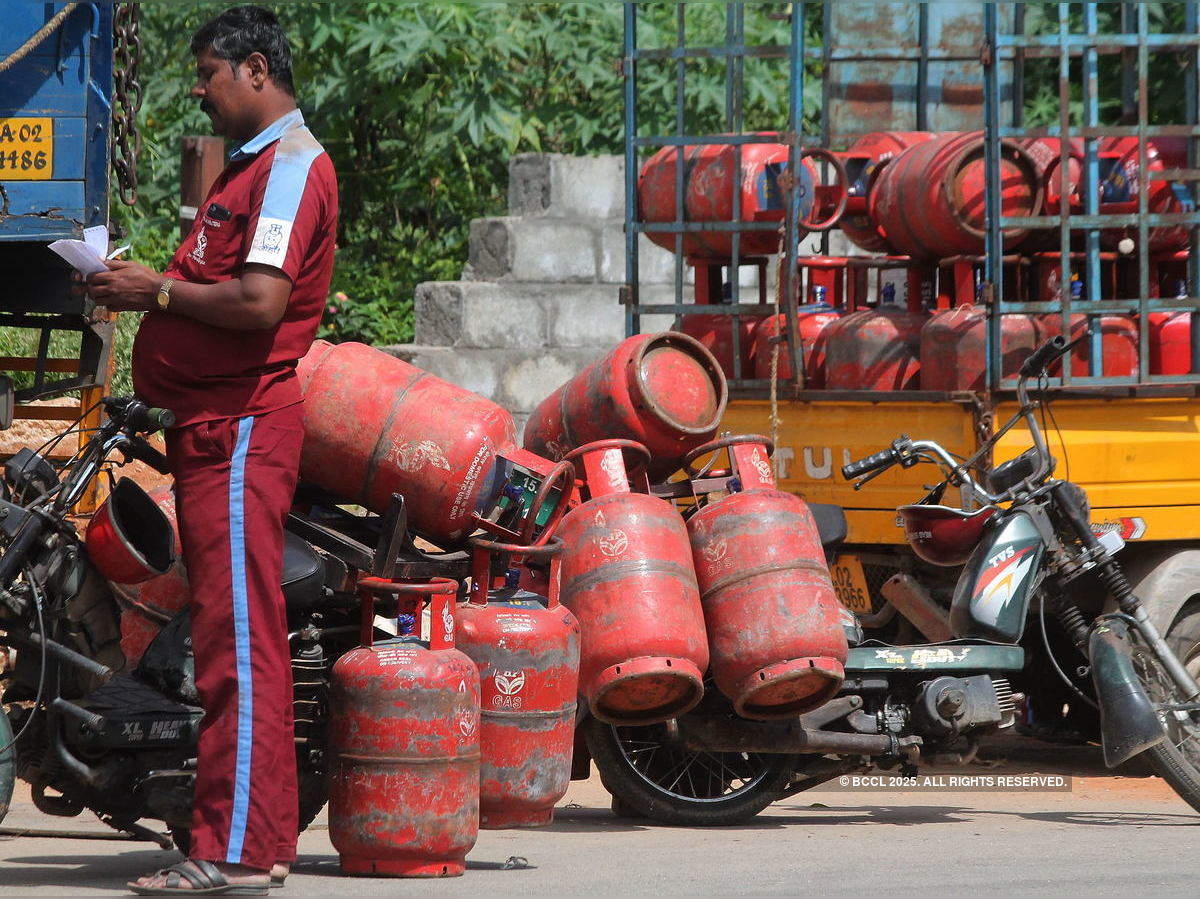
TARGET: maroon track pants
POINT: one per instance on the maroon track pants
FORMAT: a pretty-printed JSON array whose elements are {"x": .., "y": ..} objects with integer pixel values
[{"x": 234, "y": 480}]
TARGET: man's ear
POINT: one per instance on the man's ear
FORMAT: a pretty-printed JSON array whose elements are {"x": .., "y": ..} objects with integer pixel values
[{"x": 257, "y": 69}]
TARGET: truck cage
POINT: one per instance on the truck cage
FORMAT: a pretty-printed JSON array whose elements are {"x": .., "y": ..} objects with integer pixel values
[{"x": 1007, "y": 47}]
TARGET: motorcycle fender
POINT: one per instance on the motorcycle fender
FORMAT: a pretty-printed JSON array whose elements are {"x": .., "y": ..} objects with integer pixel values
[
  {"x": 1129, "y": 723},
  {"x": 991, "y": 599}
]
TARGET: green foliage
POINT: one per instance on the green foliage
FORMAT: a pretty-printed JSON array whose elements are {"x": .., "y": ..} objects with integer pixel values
[{"x": 421, "y": 105}]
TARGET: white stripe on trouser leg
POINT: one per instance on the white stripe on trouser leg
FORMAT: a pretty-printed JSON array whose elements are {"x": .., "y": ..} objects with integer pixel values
[{"x": 241, "y": 642}]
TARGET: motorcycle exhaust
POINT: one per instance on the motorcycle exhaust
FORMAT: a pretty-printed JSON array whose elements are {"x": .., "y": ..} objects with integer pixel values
[
  {"x": 704, "y": 734},
  {"x": 1129, "y": 723}
]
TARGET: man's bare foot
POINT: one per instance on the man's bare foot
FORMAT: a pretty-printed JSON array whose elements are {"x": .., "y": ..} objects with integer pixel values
[{"x": 176, "y": 880}]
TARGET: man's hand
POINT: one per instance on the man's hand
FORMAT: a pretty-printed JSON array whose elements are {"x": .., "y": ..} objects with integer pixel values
[{"x": 125, "y": 287}]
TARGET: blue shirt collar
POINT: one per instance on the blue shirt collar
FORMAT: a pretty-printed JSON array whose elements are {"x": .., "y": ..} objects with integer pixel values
[{"x": 268, "y": 135}]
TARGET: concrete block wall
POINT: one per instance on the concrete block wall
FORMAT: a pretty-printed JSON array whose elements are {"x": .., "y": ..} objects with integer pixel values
[{"x": 538, "y": 296}]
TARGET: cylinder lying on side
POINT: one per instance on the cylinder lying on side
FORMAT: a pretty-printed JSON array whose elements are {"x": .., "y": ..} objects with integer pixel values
[
  {"x": 666, "y": 391},
  {"x": 375, "y": 425}
]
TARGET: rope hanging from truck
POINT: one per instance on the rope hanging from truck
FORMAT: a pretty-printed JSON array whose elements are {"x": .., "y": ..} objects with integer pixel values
[{"x": 38, "y": 36}]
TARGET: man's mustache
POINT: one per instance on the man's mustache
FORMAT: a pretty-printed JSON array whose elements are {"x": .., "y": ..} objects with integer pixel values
[{"x": 206, "y": 107}]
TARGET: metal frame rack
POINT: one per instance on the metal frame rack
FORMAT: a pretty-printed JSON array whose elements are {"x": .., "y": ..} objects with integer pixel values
[
  {"x": 1132, "y": 38},
  {"x": 734, "y": 51}
]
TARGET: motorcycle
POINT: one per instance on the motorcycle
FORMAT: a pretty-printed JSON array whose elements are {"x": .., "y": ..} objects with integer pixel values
[
  {"x": 1027, "y": 551},
  {"x": 88, "y": 729}
]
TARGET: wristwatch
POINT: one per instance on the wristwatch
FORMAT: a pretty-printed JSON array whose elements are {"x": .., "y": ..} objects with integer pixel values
[{"x": 164, "y": 293}]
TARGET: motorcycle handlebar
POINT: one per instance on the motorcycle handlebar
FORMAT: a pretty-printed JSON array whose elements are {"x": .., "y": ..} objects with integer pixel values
[
  {"x": 874, "y": 462},
  {"x": 1040, "y": 358}
]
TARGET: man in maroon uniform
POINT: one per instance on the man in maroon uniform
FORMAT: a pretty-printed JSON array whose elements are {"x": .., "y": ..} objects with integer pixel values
[{"x": 238, "y": 305}]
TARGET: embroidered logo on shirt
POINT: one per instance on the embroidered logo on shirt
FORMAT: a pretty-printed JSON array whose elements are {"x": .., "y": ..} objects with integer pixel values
[{"x": 201, "y": 245}]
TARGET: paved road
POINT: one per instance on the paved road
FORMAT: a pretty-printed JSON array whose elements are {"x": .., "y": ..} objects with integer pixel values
[{"x": 1108, "y": 836}]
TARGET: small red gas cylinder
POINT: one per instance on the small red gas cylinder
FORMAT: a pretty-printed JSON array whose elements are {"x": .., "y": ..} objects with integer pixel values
[
  {"x": 774, "y": 626},
  {"x": 1170, "y": 343},
  {"x": 710, "y": 178},
  {"x": 526, "y": 648},
  {"x": 929, "y": 200},
  {"x": 627, "y": 575},
  {"x": 404, "y": 745},
  {"x": 375, "y": 425},
  {"x": 812, "y": 322},
  {"x": 1118, "y": 341},
  {"x": 864, "y": 160},
  {"x": 953, "y": 347},
  {"x": 666, "y": 391},
  {"x": 875, "y": 349}
]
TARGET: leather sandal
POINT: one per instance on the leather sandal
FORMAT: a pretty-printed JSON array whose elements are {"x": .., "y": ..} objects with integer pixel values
[{"x": 204, "y": 879}]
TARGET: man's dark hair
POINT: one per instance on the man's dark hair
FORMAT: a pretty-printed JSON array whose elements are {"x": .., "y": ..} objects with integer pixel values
[{"x": 242, "y": 30}]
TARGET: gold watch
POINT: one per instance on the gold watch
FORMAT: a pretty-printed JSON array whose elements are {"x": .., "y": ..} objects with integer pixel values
[{"x": 164, "y": 293}]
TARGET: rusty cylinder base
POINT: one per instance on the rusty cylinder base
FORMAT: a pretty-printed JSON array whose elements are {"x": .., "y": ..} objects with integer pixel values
[
  {"x": 789, "y": 688},
  {"x": 509, "y": 818},
  {"x": 391, "y": 867},
  {"x": 646, "y": 690}
]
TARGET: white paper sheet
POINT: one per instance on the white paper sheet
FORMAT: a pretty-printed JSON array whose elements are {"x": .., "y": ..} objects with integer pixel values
[{"x": 87, "y": 256}]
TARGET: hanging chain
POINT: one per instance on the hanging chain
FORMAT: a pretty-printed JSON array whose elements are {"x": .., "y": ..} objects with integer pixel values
[{"x": 125, "y": 139}]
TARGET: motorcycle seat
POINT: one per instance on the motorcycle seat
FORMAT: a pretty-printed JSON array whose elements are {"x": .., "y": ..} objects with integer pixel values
[
  {"x": 303, "y": 573},
  {"x": 831, "y": 523}
]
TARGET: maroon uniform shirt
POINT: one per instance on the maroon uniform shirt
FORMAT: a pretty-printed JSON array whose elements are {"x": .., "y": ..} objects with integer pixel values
[{"x": 275, "y": 204}]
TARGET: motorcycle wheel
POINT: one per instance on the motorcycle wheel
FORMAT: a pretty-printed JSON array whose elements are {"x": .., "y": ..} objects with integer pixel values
[
  {"x": 1177, "y": 758},
  {"x": 673, "y": 785},
  {"x": 7, "y": 764}
]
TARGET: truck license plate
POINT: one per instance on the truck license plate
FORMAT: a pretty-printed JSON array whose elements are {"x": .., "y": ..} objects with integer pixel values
[
  {"x": 26, "y": 149},
  {"x": 850, "y": 584}
]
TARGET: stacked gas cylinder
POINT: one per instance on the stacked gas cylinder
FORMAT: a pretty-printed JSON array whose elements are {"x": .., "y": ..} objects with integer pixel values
[
  {"x": 584, "y": 582},
  {"x": 909, "y": 316}
]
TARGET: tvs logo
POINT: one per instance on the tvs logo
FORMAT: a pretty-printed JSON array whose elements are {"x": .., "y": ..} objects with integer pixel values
[
  {"x": 509, "y": 683},
  {"x": 614, "y": 544},
  {"x": 1003, "y": 556}
]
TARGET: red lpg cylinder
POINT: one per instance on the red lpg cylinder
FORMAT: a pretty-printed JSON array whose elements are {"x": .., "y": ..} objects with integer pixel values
[
  {"x": 1170, "y": 343},
  {"x": 627, "y": 575},
  {"x": 812, "y": 322},
  {"x": 864, "y": 160},
  {"x": 929, "y": 200},
  {"x": 666, "y": 391},
  {"x": 404, "y": 745},
  {"x": 774, "y": 625},
  {"x": 1119, "y": 344},
  {"x": 526, "y": 648},
  {"x": 953, "y": 347},
  {"x": 875, "y": 349},
  {"x": 1119, "y": 190},
  {"x": 709, "y": 179},
  {"x": 715, "y": 333},
  {"x": 375, "y": 425}
]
